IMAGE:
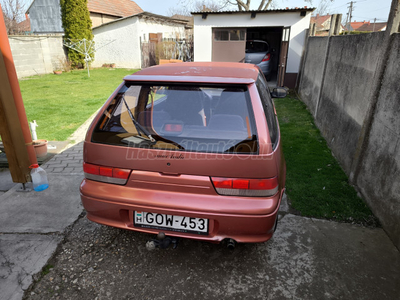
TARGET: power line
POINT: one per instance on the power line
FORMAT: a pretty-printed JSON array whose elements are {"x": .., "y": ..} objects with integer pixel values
[
  {"x": 368, "y": 18},
  {"x": 339, "y": 6}
]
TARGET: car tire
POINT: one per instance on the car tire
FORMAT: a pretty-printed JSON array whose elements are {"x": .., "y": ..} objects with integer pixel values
[{"x": 276, "y": 223}]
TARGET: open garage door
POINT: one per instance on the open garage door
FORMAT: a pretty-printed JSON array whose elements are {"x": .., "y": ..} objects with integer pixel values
[
  {"x": 283, "y": 56},
  {"x": 273, "y": 36},
  {"x": 229, "y": 44}
]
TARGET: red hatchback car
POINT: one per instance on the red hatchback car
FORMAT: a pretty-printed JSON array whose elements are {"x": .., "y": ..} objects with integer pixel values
[{"x": 189, "y": 150}]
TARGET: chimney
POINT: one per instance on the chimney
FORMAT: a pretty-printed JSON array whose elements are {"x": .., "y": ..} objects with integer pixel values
[
  {"x": 204, "y": 7},
  {"x": 26, "y": 17},
  {"x": 317, "y": 15}
]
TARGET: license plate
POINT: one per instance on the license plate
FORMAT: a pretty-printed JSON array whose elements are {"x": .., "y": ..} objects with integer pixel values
[{"x": 170, "y": 222}]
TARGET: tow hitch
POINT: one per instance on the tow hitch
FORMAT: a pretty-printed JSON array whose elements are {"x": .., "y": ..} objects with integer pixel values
[{"x": 162, "y": 242}]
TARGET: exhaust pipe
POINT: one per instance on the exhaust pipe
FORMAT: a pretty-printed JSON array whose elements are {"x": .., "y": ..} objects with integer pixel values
[{"x": 231, "y": 244}]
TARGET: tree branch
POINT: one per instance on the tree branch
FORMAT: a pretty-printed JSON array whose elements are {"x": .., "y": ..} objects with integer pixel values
[
  {"x": 261, "y": 5},
  {"x": 267, "y": 5}
]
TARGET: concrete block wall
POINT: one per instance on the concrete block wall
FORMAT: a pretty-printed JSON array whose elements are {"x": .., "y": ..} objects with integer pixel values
[
  {"x": 379, "y": 175},
  {"x": 34, "y": 55},
  {"x": 347, "y": 84},
  {"x": 337, "y": 84}
]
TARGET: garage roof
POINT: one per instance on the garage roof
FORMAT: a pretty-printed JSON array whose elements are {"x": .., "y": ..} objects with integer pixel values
[
  {"x": 284, "y": 10},
  {"x": 150, "y": 16}
]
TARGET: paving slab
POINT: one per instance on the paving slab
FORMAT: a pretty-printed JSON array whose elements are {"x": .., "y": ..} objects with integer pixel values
[
  {"x": 6, "y": 182},
  {"x": 42, "y": 212},
  {"x": 22, "y": 256}
]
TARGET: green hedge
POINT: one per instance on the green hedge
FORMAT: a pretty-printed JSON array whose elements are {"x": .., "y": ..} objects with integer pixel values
[{"x": 77, "y": 26}]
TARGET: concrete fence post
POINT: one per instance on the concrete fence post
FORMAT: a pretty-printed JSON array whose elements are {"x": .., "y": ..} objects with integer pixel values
[{"x": 313, "y": 29}]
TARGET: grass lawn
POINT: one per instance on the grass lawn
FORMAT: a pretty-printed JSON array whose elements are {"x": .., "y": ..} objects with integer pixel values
[
  {"x": 61, "y": 103},
  {"x": 316, "y": 184}
]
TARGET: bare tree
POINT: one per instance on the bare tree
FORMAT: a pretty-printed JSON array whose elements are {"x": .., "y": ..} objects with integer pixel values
[
  {"x": 13, "y": 11},
  {"x": 323, "y": 6},
  {"x": 183, "y": 11},
  {"x": 199, "y": 5},
  {"x": 207, "y": 6},
  {"x": 186, "y": 6},
  {"x": 264, "y": 4}
]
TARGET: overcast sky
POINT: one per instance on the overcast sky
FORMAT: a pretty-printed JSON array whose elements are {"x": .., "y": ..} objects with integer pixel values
[{"x": 363, "y": 9}]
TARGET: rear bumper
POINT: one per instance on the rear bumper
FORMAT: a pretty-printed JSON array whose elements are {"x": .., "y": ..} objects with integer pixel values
[{"x": 245, "y": 225}]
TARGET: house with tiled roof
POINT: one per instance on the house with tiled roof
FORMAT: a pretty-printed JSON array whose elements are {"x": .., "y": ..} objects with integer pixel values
[
  {"x": 25, "y": 25},
  {"x": 323, "y": 24},
  {"x": 372, "y": 27},
  {"x": 45, "y": 15},
  {"x": 355, "y": 25},
  {"x": 104, "y": 11}
]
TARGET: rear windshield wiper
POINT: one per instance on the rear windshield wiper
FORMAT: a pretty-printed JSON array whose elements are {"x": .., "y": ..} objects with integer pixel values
[{"x": 139, "y": 127}]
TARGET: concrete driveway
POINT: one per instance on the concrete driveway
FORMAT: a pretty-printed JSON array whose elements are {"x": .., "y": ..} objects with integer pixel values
[
  {"x": 306, "y": 259},
  {"x": 49, "y": 250}
]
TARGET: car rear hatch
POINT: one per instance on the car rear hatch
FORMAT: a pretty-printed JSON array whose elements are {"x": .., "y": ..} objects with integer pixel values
[
  {"x": 191, "y": 138},
  {"x": 256, "y": 51}
]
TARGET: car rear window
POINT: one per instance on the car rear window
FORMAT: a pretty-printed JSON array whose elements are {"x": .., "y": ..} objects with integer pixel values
[
  {"x": 254, "y": 47},
  {"x": 214, "y": 119}
]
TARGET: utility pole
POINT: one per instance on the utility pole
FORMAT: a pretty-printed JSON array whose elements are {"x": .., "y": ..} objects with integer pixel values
[
  {"x": 351, "y": 8},
  {"x": 373, "y": 30},
  {"x": 347, "y": 23}
]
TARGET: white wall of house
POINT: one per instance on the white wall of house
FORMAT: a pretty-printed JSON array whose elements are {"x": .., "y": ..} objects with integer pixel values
[
  {"x": 298, "y": 25},
  {"x": 167, "y": 30},
  {"x": 119, "y": 41}
]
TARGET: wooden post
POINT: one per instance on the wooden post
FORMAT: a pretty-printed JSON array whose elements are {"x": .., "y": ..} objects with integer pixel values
[
  {"x": 14, "y": 128},
  {"x": 11, "y": 132}
]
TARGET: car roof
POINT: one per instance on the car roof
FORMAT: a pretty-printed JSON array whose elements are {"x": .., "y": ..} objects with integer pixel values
[
  {"x": 213, "y": 72},
  {"x": 257, "y": 41}
]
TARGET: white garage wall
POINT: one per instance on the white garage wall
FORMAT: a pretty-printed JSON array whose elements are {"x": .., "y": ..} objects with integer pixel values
[
  {"x": 118, "y": 42},
  {"x": 298, "y": 24}
]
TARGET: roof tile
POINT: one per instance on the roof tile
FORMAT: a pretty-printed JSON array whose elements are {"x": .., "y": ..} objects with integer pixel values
[
  {"x": 372, "y": 27},
  {"x": 119, "y": 8}
]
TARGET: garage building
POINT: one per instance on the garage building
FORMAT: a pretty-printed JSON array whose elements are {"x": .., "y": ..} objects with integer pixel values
[{"x": 222, "y": 36}]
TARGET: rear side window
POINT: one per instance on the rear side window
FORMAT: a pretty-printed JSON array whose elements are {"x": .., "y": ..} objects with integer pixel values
[
  {"x": 269, "y": 110},
  {"x": 254, "y": 47},
  {"x": 211, "y": 119}
]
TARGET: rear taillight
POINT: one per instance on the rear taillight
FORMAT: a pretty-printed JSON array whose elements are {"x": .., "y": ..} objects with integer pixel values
[
  {"x": 246, "y": 187},
  {"x": 106, "y": 174},
  {"x": 267, "y": 57}
]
